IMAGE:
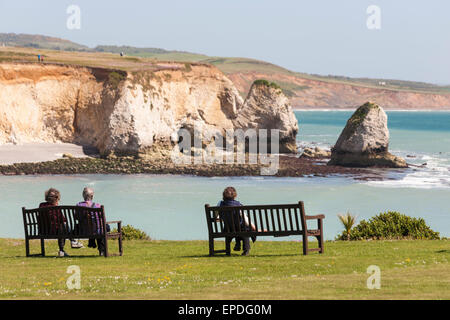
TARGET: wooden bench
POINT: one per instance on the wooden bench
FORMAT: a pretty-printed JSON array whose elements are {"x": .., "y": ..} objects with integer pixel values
[
  {"x": 269, "y": 220},
  {"x": 80, "y": 223}
]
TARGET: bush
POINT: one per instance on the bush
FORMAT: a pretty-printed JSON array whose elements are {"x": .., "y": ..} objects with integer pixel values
[
  {"x": 187, "y": 67},
  {"x": 391, "y": 225},
  {"x": 132, "y": 233},
  {"x": 348, "y": 221},
  {"x": 266, "y": 83},
  {"x": 115, "y": 78}
]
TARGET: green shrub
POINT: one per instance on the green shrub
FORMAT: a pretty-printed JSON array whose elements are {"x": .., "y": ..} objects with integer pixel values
[
  {"x": 132, "y": 233},
  {"x": 391, "y": 225},
  {"x": 115, "y": 78},
  {"x": 187, "y": 67},
  {"x": 348, "y": 221},
  {"x": 266, "y": 83}
]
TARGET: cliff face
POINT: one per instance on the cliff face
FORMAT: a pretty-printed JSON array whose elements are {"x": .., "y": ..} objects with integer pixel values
[
  {"x": 39, "y": 103},
  {"x": 309, "y": 93},
  {"x": 268, "y": 108},
  {"x": 123, "y": 112}
]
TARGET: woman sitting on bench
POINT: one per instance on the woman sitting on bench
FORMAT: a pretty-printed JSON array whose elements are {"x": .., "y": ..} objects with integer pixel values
[
  {"x": 229, "y": 200},
  {"x": 88, "y": 196},
  {"x": 57, "y": 220}
]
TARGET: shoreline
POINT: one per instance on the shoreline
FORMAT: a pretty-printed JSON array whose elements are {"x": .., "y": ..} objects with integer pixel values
[
  {"x": 289, "y": 166},
  {"x": 40, "y": 152},
  {"x": 48, "y": 159}
]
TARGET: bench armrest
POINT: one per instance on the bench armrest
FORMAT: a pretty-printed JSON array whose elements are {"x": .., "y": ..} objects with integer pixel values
[
  {"x": 319, "y": 217},
  {"x": 110, "y": 222}
]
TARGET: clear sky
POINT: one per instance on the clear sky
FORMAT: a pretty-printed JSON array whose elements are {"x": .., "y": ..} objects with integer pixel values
[{"x": 323, "y": 37}]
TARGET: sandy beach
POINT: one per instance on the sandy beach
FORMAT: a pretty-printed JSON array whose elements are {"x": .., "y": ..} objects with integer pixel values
[{"x": 39, "y": 152}]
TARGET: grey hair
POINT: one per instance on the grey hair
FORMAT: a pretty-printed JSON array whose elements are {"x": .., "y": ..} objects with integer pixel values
[{"x": 88, "y": 194}]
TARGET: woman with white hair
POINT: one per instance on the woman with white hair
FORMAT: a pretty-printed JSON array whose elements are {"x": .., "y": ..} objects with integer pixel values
[{"x": 88, "y": 196}]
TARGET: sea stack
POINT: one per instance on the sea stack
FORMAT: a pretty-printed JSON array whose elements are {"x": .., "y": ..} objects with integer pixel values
[
  {"x": 364, "y": 142},
  {"x": 266, "y": 107}
]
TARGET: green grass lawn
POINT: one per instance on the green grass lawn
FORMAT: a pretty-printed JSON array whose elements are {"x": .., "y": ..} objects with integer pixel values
[{"x": 275, "y": 270}]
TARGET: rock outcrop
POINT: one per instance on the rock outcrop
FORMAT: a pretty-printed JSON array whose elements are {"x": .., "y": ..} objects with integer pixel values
[
  {"x": 364, "y": 142},
  {"x": 131, "y": 112},
  {"x": 266, "y": 107},
  {"x": 315, "y": 153}
]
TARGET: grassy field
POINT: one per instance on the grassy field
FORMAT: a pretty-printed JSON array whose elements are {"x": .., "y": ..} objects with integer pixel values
[
  {"x": 88, "y": 59},
  {"x": 275, "y": 270}
]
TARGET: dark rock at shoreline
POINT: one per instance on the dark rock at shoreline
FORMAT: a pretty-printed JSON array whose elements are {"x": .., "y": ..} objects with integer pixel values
[
  {"x": 289, "y": 166},
  {"x": 315, "y": 153}
]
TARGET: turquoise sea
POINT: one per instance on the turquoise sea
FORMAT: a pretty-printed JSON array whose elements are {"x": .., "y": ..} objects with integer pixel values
[{"x": 171, "y": 207}]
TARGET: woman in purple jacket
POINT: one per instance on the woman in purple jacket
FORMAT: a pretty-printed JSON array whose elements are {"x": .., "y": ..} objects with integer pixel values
[{"x": 88, "y": 196}]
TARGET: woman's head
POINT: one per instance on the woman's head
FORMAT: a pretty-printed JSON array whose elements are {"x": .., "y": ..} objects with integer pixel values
[
  {"x": 52, "y": 196},
  {"x": 88, "y": 194},
  {"x": 229, "y": 193}
]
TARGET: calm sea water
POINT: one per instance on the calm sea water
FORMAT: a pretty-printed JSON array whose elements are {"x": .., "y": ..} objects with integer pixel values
[{"x": 171, "y": 207}]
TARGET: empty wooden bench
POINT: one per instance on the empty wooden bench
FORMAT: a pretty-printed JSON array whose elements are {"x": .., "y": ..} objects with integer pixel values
[
  {"x": 269, "y": 220},
  {"x": 78, "y": 223}
]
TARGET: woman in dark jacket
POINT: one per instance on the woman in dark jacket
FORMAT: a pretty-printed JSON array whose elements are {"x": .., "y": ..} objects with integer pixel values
[
  {"x": 55, "y": 217},
  {"x": 57, "y": 220},
  {"x": 239, "y": 220}
]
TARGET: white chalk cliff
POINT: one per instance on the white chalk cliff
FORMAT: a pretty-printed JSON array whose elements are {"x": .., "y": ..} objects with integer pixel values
[{"x": 129, "y": 112}]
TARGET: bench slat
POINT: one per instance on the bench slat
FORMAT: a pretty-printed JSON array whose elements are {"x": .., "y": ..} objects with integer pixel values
[
  {"x": 284, "y": 219},
  {"x": 272, "y": 206},
  {"x": 296, "y": 219},
  {"x": 215, "y": 224},
  {"x": 290, "y": 219},
  {"x": 34, "y": 224},
  {"x": 259, "y": 234},
  {"x": 274, "y": 228},
  {"x": 268, "y": 221},
  {"x": 249, "y": 216},
  {"x": 261, "y": 220}
]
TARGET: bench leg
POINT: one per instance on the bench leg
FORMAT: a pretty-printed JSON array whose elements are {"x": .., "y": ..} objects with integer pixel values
[
  {"x": 320, "y": 238},
  {"x": 27, "y": 247},
  {"x": 211, "y": 246},
  {"x": 228, "y": 246},
  {"x": 43, "y": 247},
  {"x": 320, "y": 241},
  {"x": 305, "y": 244},
  {"x": 120, "y": 246},
  {"x": 106, "y": 247}
]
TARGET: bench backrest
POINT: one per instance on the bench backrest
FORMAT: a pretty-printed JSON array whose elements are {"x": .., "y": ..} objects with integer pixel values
[
  {"x": 269, "y": 220},
  {"x": 62, "y": 221}
]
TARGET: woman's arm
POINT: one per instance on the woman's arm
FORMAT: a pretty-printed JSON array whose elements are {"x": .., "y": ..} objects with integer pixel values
[{"x": 247, "y": 223}]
